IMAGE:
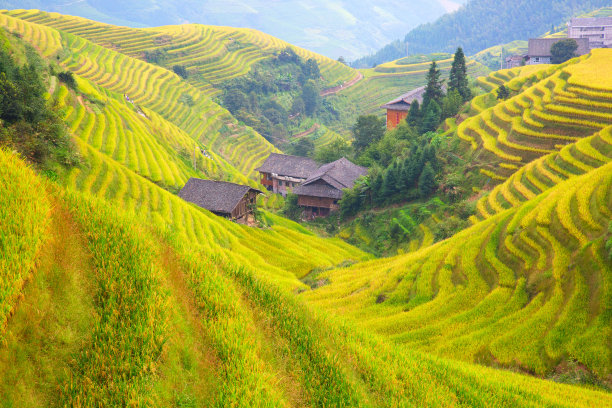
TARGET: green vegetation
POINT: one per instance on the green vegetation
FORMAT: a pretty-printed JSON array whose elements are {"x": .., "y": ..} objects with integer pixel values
[
  {"x": 475, "y": 28},
  {"x": 115, "y": 292}
]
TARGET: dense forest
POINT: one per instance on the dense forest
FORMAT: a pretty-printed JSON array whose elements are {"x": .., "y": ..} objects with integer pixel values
[{"x": 481, "y": 24}]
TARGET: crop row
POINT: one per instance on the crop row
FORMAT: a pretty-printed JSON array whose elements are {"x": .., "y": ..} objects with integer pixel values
[{"x": 519, "y": 287}]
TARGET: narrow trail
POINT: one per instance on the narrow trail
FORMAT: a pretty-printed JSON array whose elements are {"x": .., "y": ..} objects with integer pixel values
[
  {"x": 190, "y": 363},
  {"x": 346, "y": 85},
  {"x": 310, "y": 131},
  {"x": 53, "y": 320}
]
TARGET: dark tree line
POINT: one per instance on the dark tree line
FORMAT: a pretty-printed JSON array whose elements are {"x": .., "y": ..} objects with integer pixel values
[{"x": 27, "y": 122}]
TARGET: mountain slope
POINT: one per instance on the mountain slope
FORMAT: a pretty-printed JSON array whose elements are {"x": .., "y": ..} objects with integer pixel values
[
  {"x": 482, "y": 24},
  {"x": 332, "y": 28},
  {"x": 155, "y": 294},
  {"x": 527, "y": 286}
]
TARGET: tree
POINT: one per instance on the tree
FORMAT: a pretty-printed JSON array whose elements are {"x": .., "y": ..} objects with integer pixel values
[
  {"x": 389, "y": 187},
  {"x": 342, "y": 60},
  {"x": 332, "y": 152},
  {"x": 67, "y": 78},
  {"x": 311, "y": 69},
  {"x": 234, "y": 100},
  {"x": 414, "y": 114},
  {"x": 367, "y": 130},
  {"x": 433, "y": 90},
  {"x": 427, "y": 181},
  {"x": 451, "y": 104},
  {"x": 304, "y": 147},
  {"x": 291, "y": 209},
  {"x": 503, "y": 93},
  {"x": 298, "y": 107},
  {"x": 458, "y": 79},
  {"x": 180, "y": 71},
  {"x": 431, "y": 117},
  {"x": 563, "y": 50},
  {"x": 311, "y": 98}
]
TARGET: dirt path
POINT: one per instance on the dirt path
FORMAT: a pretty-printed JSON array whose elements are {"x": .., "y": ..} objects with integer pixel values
[
  {"x": 310, "y": 131},
  {"x": 53, "y": 320},
  {"x": 336, "y": 89},
  {"x": 82, "y": 102},
  {"x": 190, "y": 363}
]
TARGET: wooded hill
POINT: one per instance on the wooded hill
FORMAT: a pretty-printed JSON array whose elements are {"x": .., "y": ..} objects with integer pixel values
[{"x": 481, "y": 24}]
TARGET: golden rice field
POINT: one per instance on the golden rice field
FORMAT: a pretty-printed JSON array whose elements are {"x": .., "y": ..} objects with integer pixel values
[
  {"x": 153, "y": 88},
  {"x": 115, "y": 292},
  {"x": 526, "y": 288},
  {"x": 178, "y": 322},
  {"x": 551, "y": 109}
]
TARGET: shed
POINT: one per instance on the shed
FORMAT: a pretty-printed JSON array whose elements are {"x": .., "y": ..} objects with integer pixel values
[
  {"x": 233, "y": 201},
  {"x": 539, "y": 49}
]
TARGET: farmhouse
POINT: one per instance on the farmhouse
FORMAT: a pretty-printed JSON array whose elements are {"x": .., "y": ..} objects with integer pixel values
[
  {"x": 539, "y": 49},
  {"x": 598, "y": 31},
  {"x": 514, "y": 61},
  {"x": 233, "y": 201},
  {"x": 397, "y": 109},
  {"x": 320, "y": 193},
  {"x": 281, "y": 172}
]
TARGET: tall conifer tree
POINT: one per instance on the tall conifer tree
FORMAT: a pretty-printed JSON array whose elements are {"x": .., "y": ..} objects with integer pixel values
[
  {"x": 433, "y": 90},
  {"x": 458, "y": 79}
]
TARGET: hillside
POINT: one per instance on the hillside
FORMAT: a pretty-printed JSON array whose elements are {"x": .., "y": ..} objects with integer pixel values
[
  {"x": 116, "y": 292},
  {"x": 525, "y": 286},
  {"x": 333, "y": 28},
  {"x": 481, "y": 24}
]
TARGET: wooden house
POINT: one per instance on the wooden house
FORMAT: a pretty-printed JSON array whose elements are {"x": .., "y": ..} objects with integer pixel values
[
  {"x": 320, "y": 193},
  {"x": 539, "y": 49},
  {"x": 281, "y": 172},
  {"x": 233, "y": 201},
  {"x": 397, "y": 109}
]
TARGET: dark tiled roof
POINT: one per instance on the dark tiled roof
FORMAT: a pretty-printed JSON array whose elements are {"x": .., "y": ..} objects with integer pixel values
[
  {"x": 404, "y": 101},
  {"x": 338, "y": 175},
  {"x": 215, "y": 196},
  {"x": 291, "y": 166},
  {"x": 540, "y": 47},
  {"x": 318, "y": 189},
  {"x": 591, "y": 22}
]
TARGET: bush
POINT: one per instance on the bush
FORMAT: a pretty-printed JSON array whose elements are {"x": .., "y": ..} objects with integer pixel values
[
  {"x": 68, "y": 79},
  {"x": 181, "y": 71}
]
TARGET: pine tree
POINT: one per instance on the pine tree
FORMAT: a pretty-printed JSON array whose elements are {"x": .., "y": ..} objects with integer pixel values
[
  {"x": 433, "y": 90},
  {"x": 389, "y": 187},
  {"x": 458, "y": 79},
  {"x": 427, "y": 181},
  {"x": 414, "y": 115},
  {"x": 431, "y": 117}
]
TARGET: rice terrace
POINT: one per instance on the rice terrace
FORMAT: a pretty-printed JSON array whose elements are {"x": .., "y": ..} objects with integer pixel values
[{"x": 200, "y": 215}]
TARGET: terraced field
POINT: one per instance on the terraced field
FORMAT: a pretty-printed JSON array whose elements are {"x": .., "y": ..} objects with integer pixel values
[
  {"x": 528, "y": 287},
  {"x": 379, "y": 87},
  {"x": 156, "y": 89},
  {"x": 554, "y": 108},
  {"x": 180, "y": 319},
  {"x": 211, "y": 54}
]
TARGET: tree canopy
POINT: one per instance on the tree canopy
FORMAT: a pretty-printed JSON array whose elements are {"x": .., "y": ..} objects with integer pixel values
[{"x": 563, "y": 50}]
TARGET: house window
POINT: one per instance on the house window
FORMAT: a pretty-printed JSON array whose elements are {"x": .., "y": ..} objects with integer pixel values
[{"x": 280, "y": 183}]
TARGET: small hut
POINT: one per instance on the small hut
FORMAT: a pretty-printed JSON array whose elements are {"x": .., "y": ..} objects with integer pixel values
[
  {"x": 233, "y": 201},
  {"x": 397, "y": 109}
]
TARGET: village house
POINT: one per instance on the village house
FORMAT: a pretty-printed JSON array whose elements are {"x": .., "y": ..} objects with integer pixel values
[
  {"x": 514, "y": 61},
  {"x": 539, "y": 49},
  {"x": 320, "y": 193},
  {"x": 281, "y": 172},
  {"x": 397, "y": 109},
  {"x": 233, "y": 201},
  {"x": 597, "y": 30}
]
